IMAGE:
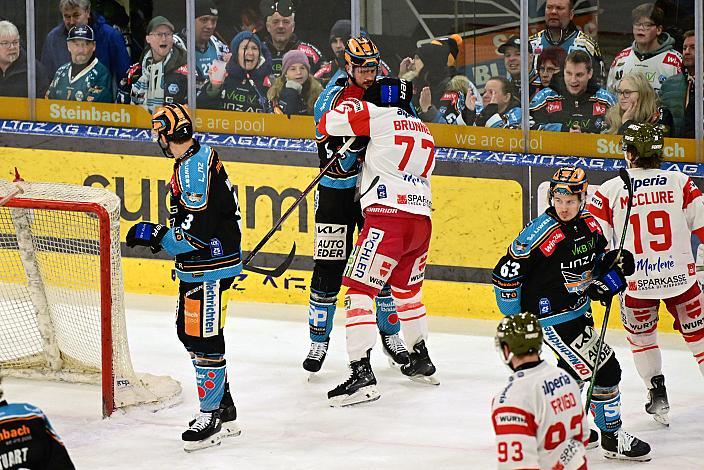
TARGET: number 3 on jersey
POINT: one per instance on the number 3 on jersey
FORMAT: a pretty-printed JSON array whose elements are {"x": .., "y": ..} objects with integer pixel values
[
  {"x": 510, "y": 269},
  {"x": 409, "y": 142}
]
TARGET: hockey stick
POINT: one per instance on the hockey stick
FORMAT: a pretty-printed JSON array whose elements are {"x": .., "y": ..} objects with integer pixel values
[
  {"x": 288, "y": 212},
  {"x": 623, "y": 173},
  {"x": 357, "y": 197}
]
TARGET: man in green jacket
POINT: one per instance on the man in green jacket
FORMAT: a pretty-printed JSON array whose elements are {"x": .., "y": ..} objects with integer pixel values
[
  {"x": 84, "y": 78},
  {"x": 677, "y": 92}
]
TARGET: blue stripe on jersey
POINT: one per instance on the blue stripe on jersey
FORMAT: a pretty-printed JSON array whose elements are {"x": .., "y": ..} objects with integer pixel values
[
  {"x": 532, "y": 235},
  {"x": 339, "y": 183},
  {"x": 19, "y": 410},
  {"x": 214, "y": 275}
]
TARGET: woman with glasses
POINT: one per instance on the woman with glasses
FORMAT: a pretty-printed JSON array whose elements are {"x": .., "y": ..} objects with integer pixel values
[
  {"x": 550, "y": 64},
  {"x": 637, "y": 102},
  {"x": 13, "y": 65},
  {"x": 652, "y": 51}
]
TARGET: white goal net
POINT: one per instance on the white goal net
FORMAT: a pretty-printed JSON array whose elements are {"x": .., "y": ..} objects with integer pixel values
[{"x": 61, "y": 295}]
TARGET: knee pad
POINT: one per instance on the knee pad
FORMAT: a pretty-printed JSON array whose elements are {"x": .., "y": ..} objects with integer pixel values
[
  {"x": 386, "y": 317},
  {"x": 609, "y": 374},
  {"x": 321, "y": 312},
  {"x": 327, "y": 276},
  {"x": 210, "y": 379},
  {"x": 606, "y": 408}
]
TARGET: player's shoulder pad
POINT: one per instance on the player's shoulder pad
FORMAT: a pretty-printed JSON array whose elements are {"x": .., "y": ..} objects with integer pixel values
[
  {"x": 533, "y": 233},
  {"x": 589, "y": 219},
  {"x": 326, "y": 101},
  {"x": 542, "y": 96},
  {"x": 19, "y": 410},
  {"x": 602, "y": 94},
  {"x": 194, "y": 178}
]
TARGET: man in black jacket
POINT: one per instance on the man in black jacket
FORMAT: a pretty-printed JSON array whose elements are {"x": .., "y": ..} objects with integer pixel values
[
  {"x": 13, "y": 65},
  {"x": 576, "y": 104}
]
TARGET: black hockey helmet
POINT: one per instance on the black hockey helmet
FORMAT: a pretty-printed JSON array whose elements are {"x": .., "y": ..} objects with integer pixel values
[
  {"x": 388, "y": 92},
  {"x": 361, "y": 51}
]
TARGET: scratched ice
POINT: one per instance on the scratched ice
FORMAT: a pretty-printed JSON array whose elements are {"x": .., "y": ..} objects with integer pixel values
[{"x": 287, "y": 423}]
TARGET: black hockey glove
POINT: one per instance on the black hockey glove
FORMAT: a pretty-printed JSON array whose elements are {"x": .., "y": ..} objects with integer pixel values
[
  {"x": 626, "y": 264},
  {"x": 146, "y": 234},
  {"x": 606, "y": 286}
]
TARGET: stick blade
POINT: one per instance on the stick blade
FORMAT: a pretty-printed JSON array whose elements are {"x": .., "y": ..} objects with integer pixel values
[{"x": 275, "y": 272}]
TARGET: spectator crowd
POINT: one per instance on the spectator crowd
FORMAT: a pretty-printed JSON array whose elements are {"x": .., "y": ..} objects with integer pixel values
[{"x": 267, "y": 68}]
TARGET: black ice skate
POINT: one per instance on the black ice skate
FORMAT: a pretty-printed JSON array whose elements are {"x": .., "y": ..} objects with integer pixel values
[
  {"x": 623, "y": 446},
  {"x": 395, "y": 350},
  {"x": 205, "y": 431},
  {"x": 658, "y": 404},
  {"x": 316, "y": 356},
  {"x": 359, "y": 388},
  {"x": 228, "y": 415},
  {"x": 421, "y": 368}
]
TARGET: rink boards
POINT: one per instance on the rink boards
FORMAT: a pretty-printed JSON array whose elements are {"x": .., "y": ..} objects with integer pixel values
[{"x": 481, "y": 201}]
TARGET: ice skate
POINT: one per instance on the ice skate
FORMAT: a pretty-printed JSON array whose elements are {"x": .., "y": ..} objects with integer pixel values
[
  {"x": 593, "y": 440},
  {"x": 421, "y": 368},
  {"x": 206, "y": 431},
  {"x": 621, "y": 445},
  {"x": 395, "y": 350},
  {"x": 658, "y": 404},
  {"x": 316, "y": 356},
  {"x": 359, "y": 388}
]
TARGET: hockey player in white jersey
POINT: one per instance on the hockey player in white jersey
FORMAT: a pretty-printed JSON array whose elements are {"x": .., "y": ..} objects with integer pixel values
[
  {"x": 667, "y": 208},
  {"x": 393, "y": 245},
  {"x": 538, "y": 417}
]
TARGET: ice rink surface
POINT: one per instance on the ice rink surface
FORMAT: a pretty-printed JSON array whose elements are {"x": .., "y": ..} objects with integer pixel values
[{"x": 286, "y": 421}]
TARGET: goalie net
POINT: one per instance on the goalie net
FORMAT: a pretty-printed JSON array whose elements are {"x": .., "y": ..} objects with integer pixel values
[{"x": 61, "y": 296}]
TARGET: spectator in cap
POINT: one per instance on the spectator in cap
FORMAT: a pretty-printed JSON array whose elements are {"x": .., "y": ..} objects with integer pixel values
[
  {"x": 560, "y": 31},
  {"x": 13, "y": 65},
  {"x": 295, "y": 90},
  {"x": 84, "y": 78},
  {"x": 511, "y": 50},
  {"x": 280, "y": 38},
  {"x": 209, "y": 47},
  {"x": 246, "y": 81},
  {"x": 110, "y": 47},
  {"x": 165, "y": 58}
]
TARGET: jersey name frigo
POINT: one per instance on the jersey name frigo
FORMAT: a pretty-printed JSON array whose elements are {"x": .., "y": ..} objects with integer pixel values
[
  {"x": 539, "y": 421},
  {"x": 667, "y": 208},
  {"x": 401, "y": 153}
]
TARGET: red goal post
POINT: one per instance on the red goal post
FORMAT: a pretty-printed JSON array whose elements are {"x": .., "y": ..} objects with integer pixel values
[{"x": 61, "y": 295}]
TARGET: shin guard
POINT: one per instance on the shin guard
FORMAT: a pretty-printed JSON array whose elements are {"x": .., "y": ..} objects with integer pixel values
[
  {"x": 210, "y": 381},
  {"x": 606, "y": 408},
  {"x": 361, "y": 327},
  {"x": 321, "y": 312}
]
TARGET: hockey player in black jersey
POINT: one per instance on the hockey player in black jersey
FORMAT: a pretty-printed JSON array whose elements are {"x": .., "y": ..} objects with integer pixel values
[
  {"x": 552, "y": 269},
  {"x": 27, "y": 440},
  {"x": 338, "y": 214},
  {"x": 204, "y": 237}
]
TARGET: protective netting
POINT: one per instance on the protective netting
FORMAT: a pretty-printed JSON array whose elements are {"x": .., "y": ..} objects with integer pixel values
[{"x": 50, "y": 291}]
